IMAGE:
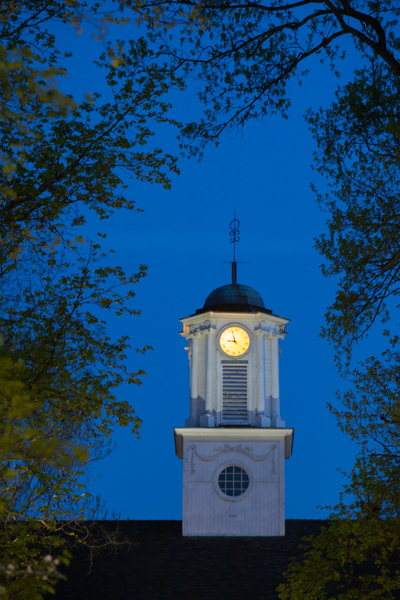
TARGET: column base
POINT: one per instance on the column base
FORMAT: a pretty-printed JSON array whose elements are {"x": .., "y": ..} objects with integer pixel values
[
  {"x": 278, "y": 422},
  {"x": 262, "y": 421},
  {"x": 192, "y": 422},
  {"x": 207, "y": 420}
]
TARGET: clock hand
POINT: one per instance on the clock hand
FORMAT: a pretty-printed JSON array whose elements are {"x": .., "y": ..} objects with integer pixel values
[{"x": 233, "y": 335}]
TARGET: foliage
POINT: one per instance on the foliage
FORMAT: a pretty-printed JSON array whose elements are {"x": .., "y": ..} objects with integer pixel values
[
  {"x": 58, "y": 400},
  {"x": 357, "y": 555},
  {"x": 59, "y": 156},
  {"x": 244, "y": 54},
  {"x": 352, "y": 558},
  {"x": 358, "y": 151},
  {"x": 358, "y": 139},
  {"x": 59, "y": 370}
]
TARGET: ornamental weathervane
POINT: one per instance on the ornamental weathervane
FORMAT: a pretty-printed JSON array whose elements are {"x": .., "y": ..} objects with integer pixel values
[{"x": 234, "y": 235}]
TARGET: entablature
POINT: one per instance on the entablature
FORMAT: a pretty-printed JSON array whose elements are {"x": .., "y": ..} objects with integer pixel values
[{"x": 197, "y": 325}]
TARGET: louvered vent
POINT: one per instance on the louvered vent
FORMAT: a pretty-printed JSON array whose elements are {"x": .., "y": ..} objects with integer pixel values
[{"x": 234, "y": 393}]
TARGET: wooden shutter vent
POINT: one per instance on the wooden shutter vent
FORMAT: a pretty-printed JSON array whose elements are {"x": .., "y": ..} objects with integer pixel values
[{"x": 234, "y": 393}]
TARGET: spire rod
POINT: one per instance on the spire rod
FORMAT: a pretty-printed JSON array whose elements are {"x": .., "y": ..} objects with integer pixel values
[
  {"x": 234, "y": 235},
  {"x": 234, "y": 278}
]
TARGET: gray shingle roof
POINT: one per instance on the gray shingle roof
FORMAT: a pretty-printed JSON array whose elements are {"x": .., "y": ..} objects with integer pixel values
[{"x": 161, "y": 564}]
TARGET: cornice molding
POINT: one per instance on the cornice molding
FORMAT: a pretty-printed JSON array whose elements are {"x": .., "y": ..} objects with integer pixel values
[{"x": 232, "y": 434}]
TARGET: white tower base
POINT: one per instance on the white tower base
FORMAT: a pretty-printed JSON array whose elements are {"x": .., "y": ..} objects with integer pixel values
[{"x": 259, "y": 452}]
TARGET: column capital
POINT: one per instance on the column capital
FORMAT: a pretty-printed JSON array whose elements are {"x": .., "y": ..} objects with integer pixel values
[
  {"x": 271, "y": 330},
  {"x": 201, "y": 329}
]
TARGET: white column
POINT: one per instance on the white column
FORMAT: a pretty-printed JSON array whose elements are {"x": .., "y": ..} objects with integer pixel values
[
  {"x": 218, "y": 387},
  {"x": 194, "y": 376},
  {"x": 260, "y": 374},
  {"x": 208, "y": 419},
  {"x": 251, "y": 387},
  {"x": 267, "y": 376},
  {"x": 277, "y": 421},
  {"x": 210, "y": 369},
  {"x": 261, "y": 420}
]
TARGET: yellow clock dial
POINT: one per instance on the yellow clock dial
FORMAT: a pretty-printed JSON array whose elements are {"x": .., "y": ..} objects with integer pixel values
[{"x": 234, "y": 341}]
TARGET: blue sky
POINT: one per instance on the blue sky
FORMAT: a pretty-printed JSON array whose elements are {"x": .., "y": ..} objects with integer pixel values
[{"x": 183, "y": 235}]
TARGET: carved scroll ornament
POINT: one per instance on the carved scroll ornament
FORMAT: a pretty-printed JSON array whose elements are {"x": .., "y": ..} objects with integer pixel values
[{"x": 228, "y": 448}]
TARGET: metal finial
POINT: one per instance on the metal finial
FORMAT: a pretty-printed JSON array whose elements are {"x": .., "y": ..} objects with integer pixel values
[{"x": 234, "y": 233}]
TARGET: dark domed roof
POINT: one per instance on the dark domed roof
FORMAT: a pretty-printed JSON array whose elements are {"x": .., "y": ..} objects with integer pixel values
[{"x": 234, "y": 298}]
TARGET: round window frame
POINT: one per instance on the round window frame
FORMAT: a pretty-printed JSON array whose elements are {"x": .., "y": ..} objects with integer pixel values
[
  {"x": 221, "y": 331},
  {"x": 220, "y": 493}
]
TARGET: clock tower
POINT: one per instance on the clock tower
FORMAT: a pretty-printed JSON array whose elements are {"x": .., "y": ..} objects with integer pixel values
[{"x": 234, "y": 443}]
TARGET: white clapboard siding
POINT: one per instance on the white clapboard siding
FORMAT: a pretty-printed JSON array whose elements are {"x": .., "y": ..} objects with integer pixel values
[{"x": 234, "y": 393}]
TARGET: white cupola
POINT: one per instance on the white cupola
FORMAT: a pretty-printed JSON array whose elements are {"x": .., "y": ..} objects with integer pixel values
[
  {"x": 234, "y": 443},
  {"x": 234, "y": 360}
]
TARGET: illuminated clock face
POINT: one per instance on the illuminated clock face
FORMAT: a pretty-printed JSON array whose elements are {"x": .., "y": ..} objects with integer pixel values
[{"x": 234, "y": 341}]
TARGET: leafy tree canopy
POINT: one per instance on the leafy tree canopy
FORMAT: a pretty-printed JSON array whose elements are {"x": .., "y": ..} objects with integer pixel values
[
  {"x": 357, "y": 556},
  {"x": 243, "y": 54},
  {"x": 59, "y": 369},
  {"x": 358, "y": 140},
  {"x": 59, "y": 155}
]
